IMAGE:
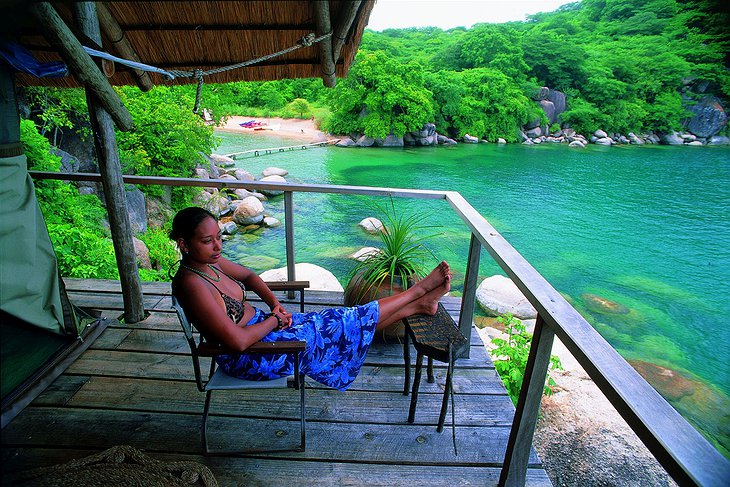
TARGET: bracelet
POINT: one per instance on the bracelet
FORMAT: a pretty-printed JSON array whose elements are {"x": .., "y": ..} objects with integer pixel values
[{"x": 280, "y": 324}]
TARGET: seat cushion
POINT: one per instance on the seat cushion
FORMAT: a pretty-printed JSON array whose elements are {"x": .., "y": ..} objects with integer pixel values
[{"x": 221, "y": 380}]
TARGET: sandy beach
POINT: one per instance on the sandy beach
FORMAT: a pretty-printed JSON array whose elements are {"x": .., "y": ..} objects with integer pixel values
[{"x": 294, "y": 128}]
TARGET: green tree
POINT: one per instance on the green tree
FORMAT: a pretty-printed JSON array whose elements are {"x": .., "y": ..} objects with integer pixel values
[
  {"x": 168, "y": 138},
  {"x": 300, "y": 106},
  {"x": 380, "y": 96}
]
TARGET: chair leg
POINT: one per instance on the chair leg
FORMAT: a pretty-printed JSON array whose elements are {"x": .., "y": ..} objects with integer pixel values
[
  {"x": 407, "y": 360},
  {"x": 431, "y": 379},
  {"x": 299, "y": 384},
  {"x": 447, "y": 391},
  {"x": 301, "y": 413},
  {"x": 416, "y": 382},
  {"x": 203, "y": 431}
]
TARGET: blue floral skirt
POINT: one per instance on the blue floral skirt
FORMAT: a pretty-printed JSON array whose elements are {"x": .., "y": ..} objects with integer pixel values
[{"x": 337, "y": 339}]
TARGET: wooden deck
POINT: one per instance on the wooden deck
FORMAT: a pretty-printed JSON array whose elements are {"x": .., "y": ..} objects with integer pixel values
[{"x": 134, "y": 386}]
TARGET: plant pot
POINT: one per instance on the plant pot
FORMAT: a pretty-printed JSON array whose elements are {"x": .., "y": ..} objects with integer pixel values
[{"x": 356, "y": 293}]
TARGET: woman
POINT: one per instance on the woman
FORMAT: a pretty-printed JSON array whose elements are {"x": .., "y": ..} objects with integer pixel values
[{"x": 212, "y": 290}]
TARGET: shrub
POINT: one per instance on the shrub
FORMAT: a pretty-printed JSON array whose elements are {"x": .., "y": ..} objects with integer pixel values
[{"x": 510, "y": 357}]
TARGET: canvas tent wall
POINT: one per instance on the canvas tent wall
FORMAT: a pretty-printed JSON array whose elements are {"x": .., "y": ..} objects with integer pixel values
[{"x": 34, "y": 308}]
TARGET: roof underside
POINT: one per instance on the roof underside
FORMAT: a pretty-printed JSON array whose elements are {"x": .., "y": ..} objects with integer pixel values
[{"x": 205, "y": 35}]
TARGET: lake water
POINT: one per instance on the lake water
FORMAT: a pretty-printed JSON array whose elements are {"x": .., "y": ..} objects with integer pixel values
[{"x": 647, "y": 227}]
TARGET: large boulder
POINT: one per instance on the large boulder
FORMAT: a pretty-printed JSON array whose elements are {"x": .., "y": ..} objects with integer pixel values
[
  {"x": 719, "y": 140},
  {"x": 470, "y": 139},
  {"x": 249, "y": 211},
  {"x": 218, "y": 204},
  {"x": 498, "y": 295},
  {"x": 274, "y": 171},
  {"x": 273, "y": 179},
  {"x": 320, "y": 279},
  {"x": 371, "y": 225},
  {"x": 243, "y": 175},
  {"x": 548, "y": 108},
  {"x": 365, "y": 141},
  {"x": 708, "y": 119},
  {"x": 142, "y": 253},
  {"x": 534, "y": 132},
  {"x": 671, "y": 138},
  {"x": 364, "y": 253},
  {"x": 346, "y": 142},
  {"x": 69, "y": 163},
  {"x": 137, "y": 209},
  {"x": 558, "y": 100},
  {"x": 221, "y": 160},
  {"x": 390, "y": 141}
]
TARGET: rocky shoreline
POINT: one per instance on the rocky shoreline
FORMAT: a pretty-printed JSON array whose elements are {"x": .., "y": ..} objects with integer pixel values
[{"x": 702, "y": 128}]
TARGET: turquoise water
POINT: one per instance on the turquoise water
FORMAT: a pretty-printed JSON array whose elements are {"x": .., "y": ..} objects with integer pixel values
[{"x": 645, "y": 227}]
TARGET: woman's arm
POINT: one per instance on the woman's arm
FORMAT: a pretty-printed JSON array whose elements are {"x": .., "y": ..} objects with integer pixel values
[
  {"x": 207, "y": 311},
  {"x": 254, "y": 283}
]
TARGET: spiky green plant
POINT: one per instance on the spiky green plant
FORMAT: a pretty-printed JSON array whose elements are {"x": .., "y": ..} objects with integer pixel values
[{"x": 402, "y": 255}]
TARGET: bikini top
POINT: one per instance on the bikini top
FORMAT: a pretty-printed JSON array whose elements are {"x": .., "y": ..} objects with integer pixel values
[{"x": 234, "y": 307}]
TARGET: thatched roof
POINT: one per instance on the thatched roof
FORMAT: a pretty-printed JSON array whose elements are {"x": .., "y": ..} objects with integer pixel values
[{"x": 206, "y": 35}]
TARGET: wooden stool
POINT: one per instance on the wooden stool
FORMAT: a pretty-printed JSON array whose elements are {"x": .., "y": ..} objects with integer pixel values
[{"x": 436, "y": 337}]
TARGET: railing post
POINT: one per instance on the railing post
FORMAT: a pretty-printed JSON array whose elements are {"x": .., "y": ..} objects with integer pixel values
[
  {"x": 289, "y": 230},
  {"x": 466, "y": 314},
  {"x": 517, "y": 455}
]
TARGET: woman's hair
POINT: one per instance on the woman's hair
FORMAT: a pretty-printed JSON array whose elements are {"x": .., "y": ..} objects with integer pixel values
[{"x": 187, "y": 220}]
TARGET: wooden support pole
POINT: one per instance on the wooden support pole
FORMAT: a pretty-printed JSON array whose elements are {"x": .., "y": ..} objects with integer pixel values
[
  {"x": 81, "y": 65},
  {"x": 120, "y": 44},
  {"x": 344, "y": 22},
  {"x": 466, "y": 314},
  {"x": 324, "y": 26},
  {"x": 291, "y": 274},
  {"x": 112, "y": 182},
  {"x": 514, "y": 467}
]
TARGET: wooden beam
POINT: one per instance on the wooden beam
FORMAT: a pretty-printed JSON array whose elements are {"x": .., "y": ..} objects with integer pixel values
[
  {"x": 80, "y": 64},
  {"x": 121, "y": 45},
  {"x": 344, "y": 22},
  {"x": 113, "y": 183},
  {"x": 324, "y": 26}
]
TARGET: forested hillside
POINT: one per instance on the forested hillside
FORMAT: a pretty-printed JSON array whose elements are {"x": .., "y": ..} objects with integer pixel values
[{"x": 623, "y": 65}]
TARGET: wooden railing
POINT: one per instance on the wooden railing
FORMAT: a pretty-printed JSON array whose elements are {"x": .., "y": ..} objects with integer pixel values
[{"x": 682, "y": 451}]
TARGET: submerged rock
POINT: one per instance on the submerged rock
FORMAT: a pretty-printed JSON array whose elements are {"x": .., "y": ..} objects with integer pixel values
[
  {"x": 669, "y": 383},
  {"x": 602, "y": 305}
]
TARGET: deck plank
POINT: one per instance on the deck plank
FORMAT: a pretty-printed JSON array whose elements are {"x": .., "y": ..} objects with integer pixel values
[
  {"x": 322, "y": 404},
  {"x": 258, "y": 472},
  {"x": 135, "y": 386},
  {"x": 402, "y": 444}
]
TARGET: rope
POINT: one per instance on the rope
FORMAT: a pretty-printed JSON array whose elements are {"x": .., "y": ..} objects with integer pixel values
[{"x": 306, "y": 41}]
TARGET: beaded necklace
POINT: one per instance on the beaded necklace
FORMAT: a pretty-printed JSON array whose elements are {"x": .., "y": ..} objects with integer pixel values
[{"x": 205, "y": 275}]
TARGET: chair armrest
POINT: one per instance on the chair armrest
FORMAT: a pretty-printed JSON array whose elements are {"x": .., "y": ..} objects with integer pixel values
[
  {"x": 287, "y": 285},
  {"x": 209, "y": 349}
]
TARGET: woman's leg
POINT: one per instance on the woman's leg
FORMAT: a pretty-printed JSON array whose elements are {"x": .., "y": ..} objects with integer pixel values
[{"x": 418, "y": 299}]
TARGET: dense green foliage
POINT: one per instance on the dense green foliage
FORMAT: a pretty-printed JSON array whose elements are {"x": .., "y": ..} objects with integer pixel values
[
  {"x": 75, "y": 222},
  {"x": 623, "y": 64},
  {"x": 168, "y": 140},
  {"x": 510, "y": 357}
]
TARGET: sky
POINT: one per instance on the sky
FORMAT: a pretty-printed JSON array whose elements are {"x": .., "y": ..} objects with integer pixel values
[{"x": 447, "y": 14}]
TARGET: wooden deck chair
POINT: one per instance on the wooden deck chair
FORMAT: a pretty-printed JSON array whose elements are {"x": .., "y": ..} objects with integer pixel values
[{"x": 220, "y": 381}]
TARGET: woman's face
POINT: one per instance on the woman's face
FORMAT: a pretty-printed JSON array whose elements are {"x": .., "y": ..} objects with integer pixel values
[{"x": 206, "y": 244}]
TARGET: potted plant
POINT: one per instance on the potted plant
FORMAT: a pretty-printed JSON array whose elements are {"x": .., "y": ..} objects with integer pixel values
[{"x": 396, "y": 265}]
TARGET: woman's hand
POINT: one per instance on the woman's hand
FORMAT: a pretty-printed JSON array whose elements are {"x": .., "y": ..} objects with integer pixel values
[{"x": 286, "y": 318}]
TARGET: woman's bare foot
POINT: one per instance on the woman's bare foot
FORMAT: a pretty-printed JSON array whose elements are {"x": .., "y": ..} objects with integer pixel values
[
  {"x": 430, "y": 300},
  {"x": 435, "y": 278}
]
